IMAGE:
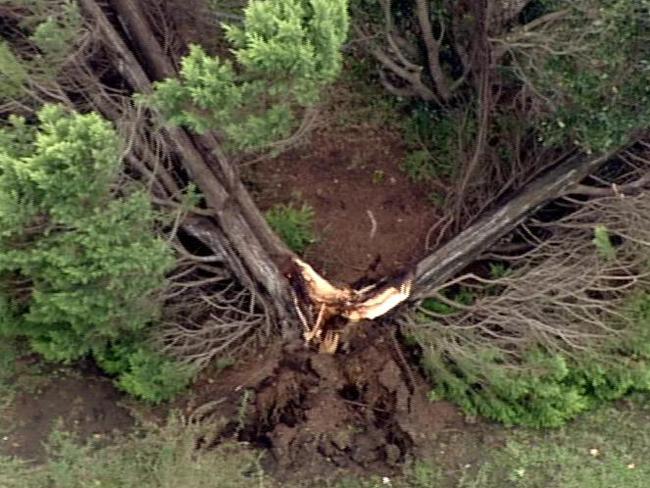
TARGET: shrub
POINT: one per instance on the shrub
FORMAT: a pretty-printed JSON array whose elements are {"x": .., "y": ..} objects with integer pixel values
[
  {"x": 285, "y": 52},
  {"x": 293, "y": 225},
  {"x": 51, "y": 29},
  {"x": 563, "y": 327},
  {"x": 436, "y": 141},
  {"x": 79, "y": 260},
  {"x": 595, "y": 89},
  {"x": 545, "y": 388}
]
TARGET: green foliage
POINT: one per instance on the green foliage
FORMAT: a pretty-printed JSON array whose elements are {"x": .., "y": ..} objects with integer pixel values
[
  {"x": 603, "y": 243},
  {"x": 435, "y": 140},
  {"x": 286, "y": 52},
  {"x": 499, "y": 270},
  {"x": 159, "y": 457},
  {"x": 462, "y": 296},
  {"x": 140, "y": 370},
  {"x": 602, "y": 450},
  {"x": 79, "y": 263},
  {"x": 13, "y": 75},
  {"x": 51, "y": 28},
  {"x": 378, "y": 177},
  {"x": 544, "y": 388},
  {"x": 57, "y": 33},
  {"x": 293, "y": 225},
  {"x": 534, "y": 393},
  {"x": 418, "y": 165},
  {"x": 596, "y": 88}
]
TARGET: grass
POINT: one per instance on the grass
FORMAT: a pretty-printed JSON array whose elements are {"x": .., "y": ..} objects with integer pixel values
[
  {"x": 295, "y": 225},
  {"x": 607, "y": 448},
  {"x": 16, "y": 376},
  {"x": 160, "y": 457},
  {"x": 7, "y": 384}
]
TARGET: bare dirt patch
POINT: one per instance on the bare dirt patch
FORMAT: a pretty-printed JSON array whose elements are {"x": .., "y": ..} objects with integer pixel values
[
  {"x": 83, "y": 404},
  {"x": 371, "y": 220},
  {"x": 322, "y": 416},
  {"x": 352, "y": 180}
]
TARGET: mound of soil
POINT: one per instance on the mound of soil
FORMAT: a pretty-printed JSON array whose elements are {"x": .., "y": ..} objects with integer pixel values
[{"x": 319, "y": 415}]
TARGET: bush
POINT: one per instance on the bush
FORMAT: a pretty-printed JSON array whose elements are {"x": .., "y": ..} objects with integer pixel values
[
  {"x": 79, "y": 261},
  {"x": 293, "y": 225},
  {"x": 436, "y": 141},
  {"x": 595, "y": 90},
  {"x": 286, "y": 51},
  {"x": 51, "y": 30},
  {"x": 545, "y": 389}
]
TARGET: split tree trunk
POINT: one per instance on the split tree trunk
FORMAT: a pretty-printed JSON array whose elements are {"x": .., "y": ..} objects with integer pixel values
[
  {"x": 450, "y": 259},
  {"x": 241, "y": 233}
]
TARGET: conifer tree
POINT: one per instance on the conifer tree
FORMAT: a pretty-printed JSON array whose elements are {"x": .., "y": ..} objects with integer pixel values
[{"x": 285, "y": 52}]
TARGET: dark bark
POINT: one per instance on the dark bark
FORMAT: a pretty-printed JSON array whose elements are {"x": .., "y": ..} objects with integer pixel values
[
  {"x": 161, "y": 67},
  {"x": 247, "y": 254},
  {"x": 466, "y": 247}
]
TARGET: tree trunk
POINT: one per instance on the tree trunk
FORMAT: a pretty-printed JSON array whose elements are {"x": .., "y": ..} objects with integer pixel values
[
  {"x": 462, "y": 250},
  {"x": 248, "y": 237}
]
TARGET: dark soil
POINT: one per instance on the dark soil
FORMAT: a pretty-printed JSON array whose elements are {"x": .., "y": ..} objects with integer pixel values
[
  {"x": 350, "y": 177},
  {"x": 320, "y": 416},
  {"x": 67, "y": 400}
]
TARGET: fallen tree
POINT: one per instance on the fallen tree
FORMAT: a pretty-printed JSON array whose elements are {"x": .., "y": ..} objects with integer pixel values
[
  {"x": 258, "y": 253},
  {"x": 228, "y": 289},
  {"x": 232, "y": 223}
]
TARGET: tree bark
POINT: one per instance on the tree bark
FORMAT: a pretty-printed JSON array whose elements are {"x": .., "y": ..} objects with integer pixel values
[
  {"x": 162, "y": 67},
  {"x": 450, "y": 259},
  {"x": 242, "y": 239}
]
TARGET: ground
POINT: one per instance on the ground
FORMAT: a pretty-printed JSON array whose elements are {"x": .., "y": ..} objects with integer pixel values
[
  {"x": 368, "y": 216},
  {"x": 361, "y": 411},
  {"x": 370, "y": 219},
  {"x": 45, "y": 396},
  {"x": 301, "y": 436}
]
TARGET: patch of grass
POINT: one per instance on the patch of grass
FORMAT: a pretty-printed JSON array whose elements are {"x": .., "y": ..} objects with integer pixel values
[
  {"x": 7, "y": 366},
  {"x": 15, "y": 377},
  {"x": 357, "y": 99},
  {"x": 161, "y": 457},
  {"x": 378, "y": 177},
  {"x": 7, "y": 383},
  {"x": 294, "y": 225},
  {"x": 435, "y": 141},
  {"x": 419, "y": 166},
  {"x": 607, "y": 448}
]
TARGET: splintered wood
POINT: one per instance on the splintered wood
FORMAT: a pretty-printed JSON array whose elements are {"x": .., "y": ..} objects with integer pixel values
[{"x": 318, "y": 303}]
